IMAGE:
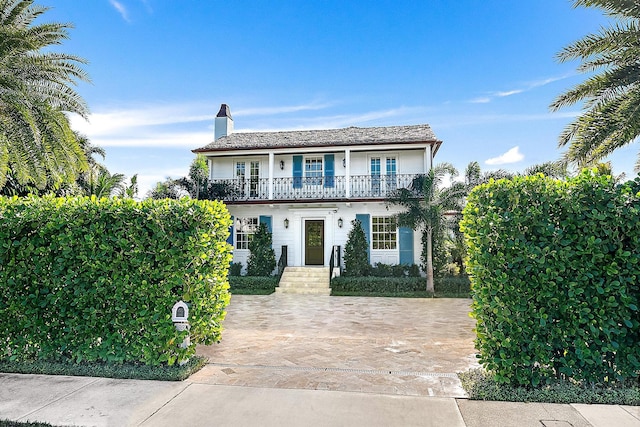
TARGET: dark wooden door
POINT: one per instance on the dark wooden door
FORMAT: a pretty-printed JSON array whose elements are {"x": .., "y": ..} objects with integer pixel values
[{"x": 314, "y": 242}]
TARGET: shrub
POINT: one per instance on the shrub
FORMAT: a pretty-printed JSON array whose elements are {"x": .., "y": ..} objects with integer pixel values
[
  {"x": 235, "y": 269},
  {"x": 444, "y": 286},
  {"x": 554, "y": 268},
  {"x": 396, "y": 270},
  {"x": 95, "y": 280},
  {"x": 377, "y": 284},
  {"x": 262, "y": 259},
  {"x": 252, "y": 284},
  {"x": 356, "y": 252}
]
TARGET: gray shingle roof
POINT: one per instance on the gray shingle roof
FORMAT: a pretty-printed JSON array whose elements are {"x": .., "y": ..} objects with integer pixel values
[{"x": 322, "y": 138}]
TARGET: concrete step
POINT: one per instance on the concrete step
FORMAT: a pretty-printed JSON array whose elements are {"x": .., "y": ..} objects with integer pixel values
[
  {"x": 304, "y": 291},
  {"x": 291, "y": 284},
  {"x": 305, "y": 280}
]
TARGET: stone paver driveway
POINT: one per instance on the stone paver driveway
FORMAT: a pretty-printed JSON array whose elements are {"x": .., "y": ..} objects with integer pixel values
[{"x": 399, "y": 346}]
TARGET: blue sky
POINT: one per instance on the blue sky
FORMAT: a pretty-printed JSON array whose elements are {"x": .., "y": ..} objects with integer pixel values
[{"x": 481, "y": 73}]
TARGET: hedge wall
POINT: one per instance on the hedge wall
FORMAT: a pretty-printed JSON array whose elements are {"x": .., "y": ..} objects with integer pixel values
[
  {"x": 555, "y": 268},
  {"x": 95, "y": 280},
  {"x": 248, "y": 283},
  {"x": 387, "y": 285}
]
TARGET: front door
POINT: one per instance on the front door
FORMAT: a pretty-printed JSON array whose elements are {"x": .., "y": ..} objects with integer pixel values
[{"x": 314, "y": 242}]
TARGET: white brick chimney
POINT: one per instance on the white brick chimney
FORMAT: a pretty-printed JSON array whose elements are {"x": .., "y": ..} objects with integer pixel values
[{"x": 224, "y": 122}]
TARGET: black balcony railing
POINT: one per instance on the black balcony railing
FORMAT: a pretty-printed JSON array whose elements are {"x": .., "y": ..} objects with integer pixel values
[{"x": 314, "y": 188}]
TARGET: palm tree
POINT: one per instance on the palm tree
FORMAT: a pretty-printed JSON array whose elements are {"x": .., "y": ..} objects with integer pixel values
[
  {"x": 611, "y": 117},
  {"x": 36, "y": 142},
  {"x": 426, "y": 203}
]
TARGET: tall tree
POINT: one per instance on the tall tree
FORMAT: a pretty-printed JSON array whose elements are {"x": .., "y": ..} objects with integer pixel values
[
  {"x": 426, "y": 203},
  {"x": 611, "y": 117},
  {"x": 36, "y": 90}
]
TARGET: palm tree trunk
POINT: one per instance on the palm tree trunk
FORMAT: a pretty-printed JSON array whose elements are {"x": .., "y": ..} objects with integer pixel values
[{"x": 430, "y": 286}]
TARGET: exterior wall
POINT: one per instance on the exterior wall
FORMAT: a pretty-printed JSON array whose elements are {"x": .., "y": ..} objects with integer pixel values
[
  {"x": 293, "y": 235},
  {"x": 408, "y": 162}
]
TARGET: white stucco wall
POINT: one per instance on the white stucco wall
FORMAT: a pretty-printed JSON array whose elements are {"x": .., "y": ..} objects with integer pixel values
[
  {"x": 408, "y": 162},
  {"x": 293, "y": 236}
]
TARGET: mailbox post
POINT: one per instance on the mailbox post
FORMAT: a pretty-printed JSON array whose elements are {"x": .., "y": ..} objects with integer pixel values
[{"x": 180, "y": 318}]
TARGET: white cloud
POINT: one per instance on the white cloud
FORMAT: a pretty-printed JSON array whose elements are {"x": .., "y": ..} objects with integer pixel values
[
  {"x": 370, "y": 118},
  {"x": 264, "y": 111},
  {"x": 122, "y": 10},
  {"x": 512, "y": 156},
  {"x": 480, "y": 100},
  {"x": 526, "y": 87},
  {"x": 509, "y": 93},
  {"x": 117, "y": 121}
]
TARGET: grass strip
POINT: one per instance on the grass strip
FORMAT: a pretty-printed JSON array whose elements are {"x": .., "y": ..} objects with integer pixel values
[
  {"x": 480, "y": 385},
  {"x": 106, "y": 370},
  {"x": 9, "y": 423}
]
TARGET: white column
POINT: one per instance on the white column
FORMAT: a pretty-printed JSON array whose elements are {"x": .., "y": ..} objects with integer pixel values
[
  {"x": 347, "y": 173},
  {"x": 271, "y": 163},
  {"x": 210, "y": 168},
  {"x": 428, "y": 159}
]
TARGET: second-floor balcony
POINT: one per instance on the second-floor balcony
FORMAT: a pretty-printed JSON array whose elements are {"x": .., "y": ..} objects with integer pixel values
[{"x": 311, "y": 188}]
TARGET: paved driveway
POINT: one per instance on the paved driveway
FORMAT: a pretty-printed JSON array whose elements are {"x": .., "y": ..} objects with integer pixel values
[{"x": 398, "y": 346}]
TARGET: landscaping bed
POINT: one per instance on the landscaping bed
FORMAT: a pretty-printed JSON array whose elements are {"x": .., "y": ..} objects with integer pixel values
[
  {"x": 411, "y": 287},
  {"x": 480, "y": 385},
  {"x": 137, "y": 371}
]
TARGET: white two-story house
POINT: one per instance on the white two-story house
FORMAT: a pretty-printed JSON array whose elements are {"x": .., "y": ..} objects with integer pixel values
[{"x": 307, "y": 186}]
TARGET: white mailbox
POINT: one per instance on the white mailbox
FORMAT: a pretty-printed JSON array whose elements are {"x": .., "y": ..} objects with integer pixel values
[
  {"x": 180, "y": 312},
  {"x": 180, "y": 318}
]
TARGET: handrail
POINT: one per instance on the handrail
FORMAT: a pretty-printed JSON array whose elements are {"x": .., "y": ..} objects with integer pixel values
[
  {"x": 283, "y": 261},
  {"x": 290, "y": 188},
  {"x": 334, "y": 260}
]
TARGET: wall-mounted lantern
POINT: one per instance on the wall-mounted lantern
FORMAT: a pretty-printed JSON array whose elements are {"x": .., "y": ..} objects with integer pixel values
[
  {"x": 340, "y": 222},
  {"x": 281, "y": 165},
  {"x": 286, "y": 223},
  {"x": 344, "y": 163}
]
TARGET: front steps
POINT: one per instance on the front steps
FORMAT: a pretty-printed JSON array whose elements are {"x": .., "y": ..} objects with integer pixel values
[{"x": 305, "y": 280}]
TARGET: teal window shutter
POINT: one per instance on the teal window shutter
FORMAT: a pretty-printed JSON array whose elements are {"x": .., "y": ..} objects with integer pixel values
[
  {"x": 297, "y": 171},
  {"x": 406, "y": 246},
  {"x": 329, "y": 171},
  {"x": 264, "y": 219},
  {"x": 365, "y": 221},
  {"x": 230, "y": 238}
]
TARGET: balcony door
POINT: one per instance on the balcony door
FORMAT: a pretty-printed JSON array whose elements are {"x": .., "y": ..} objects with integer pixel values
[
  {"x": 314, "y": 242},
  {"x": 375, "y": 175},
  {"x": 253, "y": 180}
]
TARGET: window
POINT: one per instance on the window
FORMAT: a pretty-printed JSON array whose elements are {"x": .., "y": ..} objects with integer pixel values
[
  {"x": 241, "y": 170},
  {"x": 254, "y": 179},
  {"x": 384, "y": 232},
  {"x": 391, "y": 173},
  {"x": 313, "y": 170},
  {"x": 375, "y": 175},
  {"x": 241, "y": 173},
  {"x": 245, "y": 228}
]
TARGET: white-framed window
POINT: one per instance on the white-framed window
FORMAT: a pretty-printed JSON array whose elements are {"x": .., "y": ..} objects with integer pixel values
[
  {"x": 313, "y": 170},
  {"x": 254, "y": 178},
  {"x": 392, "y": 171},
  {"x": 384, "y": 232},
  {"x": 245, "y": 229},
  {"x": 253, "y": 181},
  {"x": 375, "y": 174}
]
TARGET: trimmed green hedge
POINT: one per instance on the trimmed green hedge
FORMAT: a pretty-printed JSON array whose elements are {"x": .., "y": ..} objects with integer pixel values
[
  {"x": 555, "y": 271},
  {"x": 252, "y": 284},
  {"x": 398, "y": 285},
  {"x": 95, "y": 280}
]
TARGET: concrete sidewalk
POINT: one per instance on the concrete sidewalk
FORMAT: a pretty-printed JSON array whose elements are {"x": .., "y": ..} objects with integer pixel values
[{"x": 85, "y": 401}]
